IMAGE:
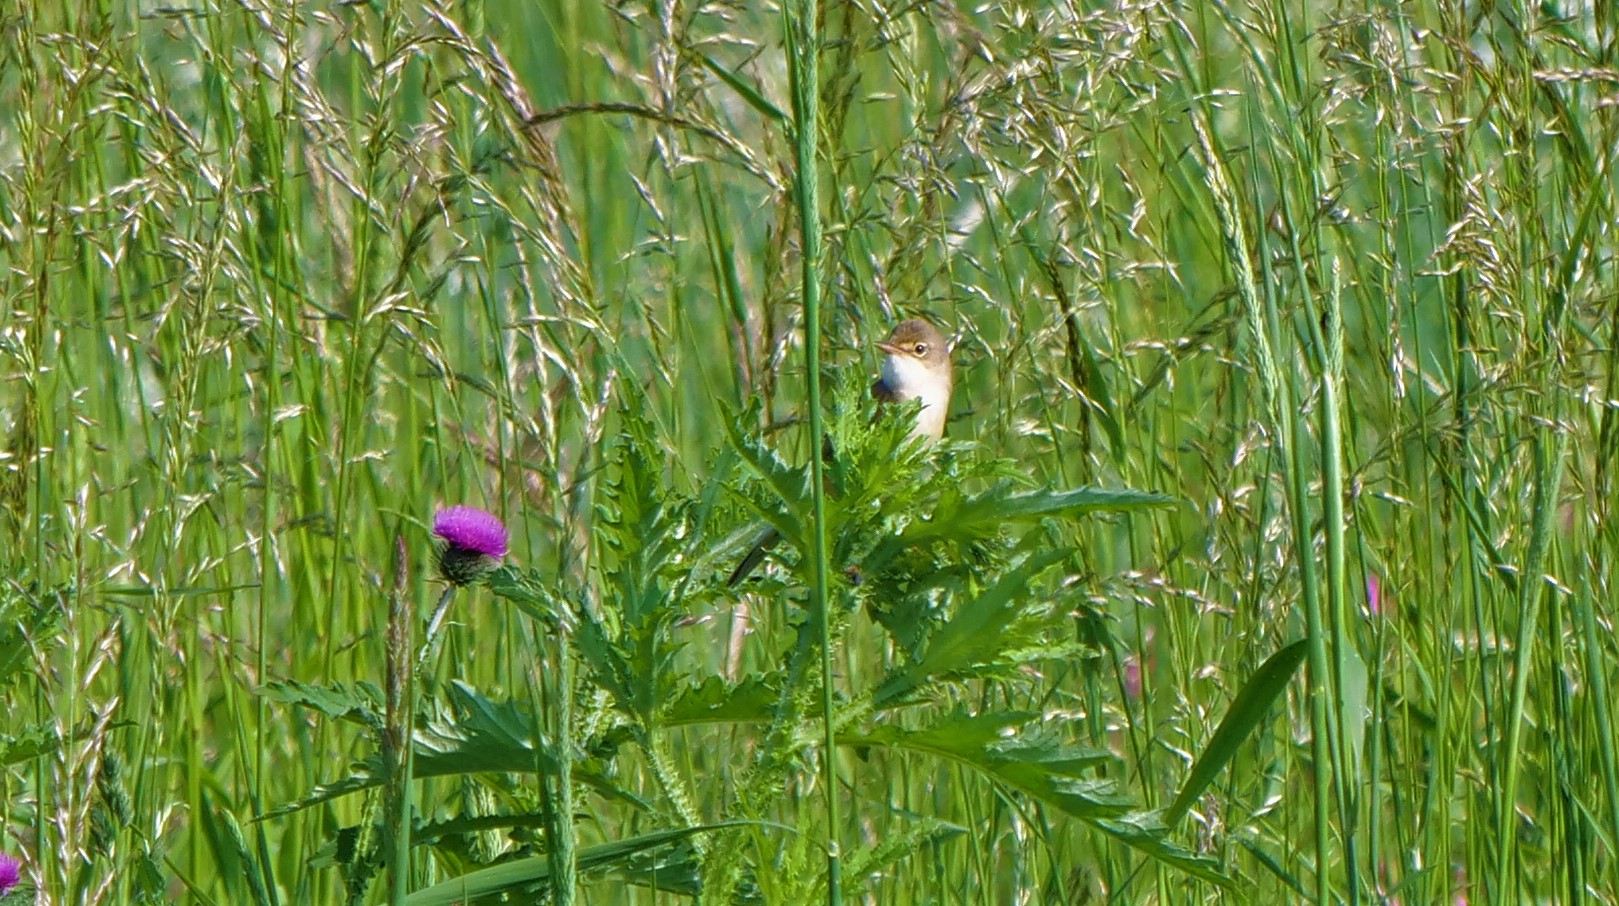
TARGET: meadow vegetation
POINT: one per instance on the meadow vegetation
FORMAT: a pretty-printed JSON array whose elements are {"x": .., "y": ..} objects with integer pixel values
[{"x": 1269, "y": 556}]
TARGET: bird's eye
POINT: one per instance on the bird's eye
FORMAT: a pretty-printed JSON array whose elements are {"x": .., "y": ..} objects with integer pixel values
[{"x": 920, "y": 349}]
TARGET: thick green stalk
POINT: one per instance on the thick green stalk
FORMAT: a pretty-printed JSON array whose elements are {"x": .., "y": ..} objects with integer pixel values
[
  {"x": 562, "y": 853},
  {"x": 804, "y": 43}
]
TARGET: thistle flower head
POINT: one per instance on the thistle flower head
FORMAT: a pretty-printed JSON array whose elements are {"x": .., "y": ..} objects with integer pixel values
[
  {"x": 10, "y": 873},
  {"x": 473, "y": 542}
]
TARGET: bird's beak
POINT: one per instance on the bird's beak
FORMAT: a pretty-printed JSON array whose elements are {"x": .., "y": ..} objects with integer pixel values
[{"x": 890, "y": 348}]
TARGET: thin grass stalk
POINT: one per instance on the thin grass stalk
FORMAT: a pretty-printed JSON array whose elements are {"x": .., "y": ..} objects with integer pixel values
[
  {"x": 1264, "y": 326},
  {"x": 1334, "y": 617},
  {"x": 1291, "y": 425},
  {"x": 401, "y": 688},
  {"x": 1531, "y": 586},
  {"x": 276, "y": 292},
  {"x": 804, "y": 45},
  {"x": 1337, "y": 588},
  {"x": 1591, "y": 644}
]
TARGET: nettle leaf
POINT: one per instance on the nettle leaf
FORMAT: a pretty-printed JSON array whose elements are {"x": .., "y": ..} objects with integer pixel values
[
  {"x": 1147, "y": 833},
  {"x": 476, "y": 735},
  {"x": 872, "y": 458},
  {"x": 986, "y": 512},
  {"x": 433, "y": 832},
  {"x": 975, "y": 639},
  {"x": 609, "y": 668},
  {"x": 716, "y": 701},
  {"x": 1034, "y": 761},
  {"x": 360, "y": 704},
  {"x": 675, "y": 869},
  {"x": 33, "y": 741},
  {"x": 788, "y": 484},
  {"x": 528, "y": 590},
  {"x": 23, "y": 621},
  {"x": 642, "y": 524},
  {"x": 515, "y": 877}
]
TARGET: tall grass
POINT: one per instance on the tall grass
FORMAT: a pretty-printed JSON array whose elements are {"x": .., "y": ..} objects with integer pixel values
[{"x": 281, "y": 278}]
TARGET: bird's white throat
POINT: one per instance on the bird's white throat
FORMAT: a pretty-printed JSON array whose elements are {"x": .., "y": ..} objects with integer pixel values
[{"x": 911, "y": 378}]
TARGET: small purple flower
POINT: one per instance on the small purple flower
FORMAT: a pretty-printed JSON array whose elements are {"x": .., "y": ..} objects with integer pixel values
[
  {"x": 10, "y": 873},
  {"x": 1374, "y": 594},
  {"x": 1132, "y": 678},
  {"x": 474, "y": 542}
]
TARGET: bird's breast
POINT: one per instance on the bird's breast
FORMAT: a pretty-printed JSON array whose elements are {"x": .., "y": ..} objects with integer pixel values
[{"x": 905, "y": 378}]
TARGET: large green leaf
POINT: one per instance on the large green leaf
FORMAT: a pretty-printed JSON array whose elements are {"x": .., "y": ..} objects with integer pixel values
[
  {"x": 1002, "y": 504},
  {"x": 529, "y": 592},
  {"x": 31, "y": 742},
  {"x": 716, "y": 701},
  {"x": 361, "y": 704},
  {"x": 513, "y": 877},
  {"x": 1033, "y": 761},
  {"x": 976, "y": 637},
  {"x": 477, "y": 735},
  {"x": 1246, "y": 713},
  {"x": 1038, "y": 764},
  {"x": 1147, "y": 833},
  {"x": 790, "y": 485}
]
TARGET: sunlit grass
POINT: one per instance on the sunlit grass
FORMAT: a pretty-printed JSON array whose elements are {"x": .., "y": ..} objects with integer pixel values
[{"x": 282, "y": 280}]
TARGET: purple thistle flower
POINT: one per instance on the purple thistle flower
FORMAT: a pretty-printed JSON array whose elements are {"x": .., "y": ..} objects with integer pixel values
[
  {"x": 10, "y": 872},
  {"x": 474, "y": 542}
]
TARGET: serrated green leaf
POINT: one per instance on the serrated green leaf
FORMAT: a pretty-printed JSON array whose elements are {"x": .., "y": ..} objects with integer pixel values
[
  {"x": 1147, "y": 833},
  {"x": 513, "y": 877},
  {"x": 1247, "y": 711},
  {"x": 432, "y": 831},
  {"x": 1040, "y": 765},
  {"x": 480, "y": 735},
  {"x": 1003, "y": 504},
  {"x": 24, "y": 621},
  {"x": 716, "y": 701},
  {"x": 790, "y": 485},
  {"x": 360, "y": 704},
  {"x": 528, "y": 591},
  {"x": 30, "y": 743},
  {"x": 977, "y": 635},
  {"x": 988, "y": 741},
  {"x": 1035, "y": 763}
]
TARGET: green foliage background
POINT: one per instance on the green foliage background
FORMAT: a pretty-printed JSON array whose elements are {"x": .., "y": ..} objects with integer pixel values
[{"x": 281, "y": 278}]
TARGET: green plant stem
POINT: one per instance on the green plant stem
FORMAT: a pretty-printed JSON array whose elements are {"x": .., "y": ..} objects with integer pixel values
[
  {"x": 401, "y": 687},
  {"x": 563, "y": 849},
  {"x": 1531, "y": 585},
  {"x": 804, "y": 43},
  {"x": 430, "y": 641},
  {"x": 1346, "y": 767}
]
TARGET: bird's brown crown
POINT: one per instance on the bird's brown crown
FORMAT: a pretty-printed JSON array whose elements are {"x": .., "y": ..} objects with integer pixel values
[{"x": 917, "y": 338}]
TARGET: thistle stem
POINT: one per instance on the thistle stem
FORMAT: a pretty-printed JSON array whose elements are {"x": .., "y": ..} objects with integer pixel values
[{"x": 804, "y": 43}]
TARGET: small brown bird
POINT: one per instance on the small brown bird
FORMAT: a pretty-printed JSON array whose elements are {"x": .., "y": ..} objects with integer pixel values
[{"x": 916, "y": 366}]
